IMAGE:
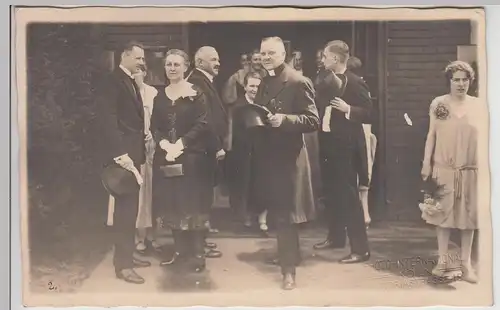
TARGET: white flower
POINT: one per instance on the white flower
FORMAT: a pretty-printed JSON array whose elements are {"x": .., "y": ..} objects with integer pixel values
[{"x": 188, "y": 91}]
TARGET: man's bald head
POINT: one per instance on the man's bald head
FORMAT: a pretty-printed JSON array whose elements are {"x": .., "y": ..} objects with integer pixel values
[
  {"x": 273, "y": 52},
  {"x": 207, "y": 59}
]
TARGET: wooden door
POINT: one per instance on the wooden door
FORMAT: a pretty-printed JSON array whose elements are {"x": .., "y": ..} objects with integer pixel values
[{"x": 368, "y": 46}]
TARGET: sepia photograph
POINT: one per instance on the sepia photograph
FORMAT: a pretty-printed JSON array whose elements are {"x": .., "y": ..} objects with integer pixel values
[{"x": 244, "y": 156}]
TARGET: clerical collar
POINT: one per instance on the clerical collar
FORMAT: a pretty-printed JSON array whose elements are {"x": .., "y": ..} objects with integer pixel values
[
  {"x": 127, "y": 72},
  {"x": 341, "y": 71},
  {"x": 208, "y": 75},
  {"x": 277, "y": 71},
  {"x": 248, "y": 98}
]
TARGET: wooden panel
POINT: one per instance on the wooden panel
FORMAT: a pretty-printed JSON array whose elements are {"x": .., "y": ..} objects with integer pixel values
[{"x": 417, "y": 55}]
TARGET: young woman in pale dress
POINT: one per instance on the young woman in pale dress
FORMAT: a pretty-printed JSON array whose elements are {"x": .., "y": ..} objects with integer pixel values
[
  {"x": 144, "y": 223},
  {"x": 451, "y": 160}
]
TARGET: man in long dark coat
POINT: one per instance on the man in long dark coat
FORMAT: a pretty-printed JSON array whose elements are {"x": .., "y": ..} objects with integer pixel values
[
  {"x": 123, "y": 119},
  {"x": 206, "y": 69},
  {"x": 343, "y": 110},
  {"x": 280, "y": 174}
]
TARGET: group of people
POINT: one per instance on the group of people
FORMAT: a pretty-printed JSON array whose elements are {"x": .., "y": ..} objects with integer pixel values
[{"x": 179, "y": 135}]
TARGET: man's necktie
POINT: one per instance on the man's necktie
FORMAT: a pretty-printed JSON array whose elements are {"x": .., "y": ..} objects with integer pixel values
[
  {"x": 325, "y": 126},
  {"x": 137, "y": 91}
]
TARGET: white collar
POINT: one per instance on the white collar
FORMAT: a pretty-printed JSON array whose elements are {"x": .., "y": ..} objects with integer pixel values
[
  {"x": 248, "y": 98},
  {"x": 271, "y": 72},
  {"x": 342, "y": 71},
  {"x": 208, "y": 75},
  {"x": 127, "y": 72}
]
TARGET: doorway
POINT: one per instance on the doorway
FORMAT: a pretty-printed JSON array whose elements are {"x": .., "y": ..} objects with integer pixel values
[{"x": 231, "y": 39}]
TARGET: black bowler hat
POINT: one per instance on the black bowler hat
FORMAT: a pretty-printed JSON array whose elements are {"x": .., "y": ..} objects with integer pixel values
[
  {"x": 254, "y": 115},
  {"x": 118, "y": 181},
  {"x": 334, "y": 84}
]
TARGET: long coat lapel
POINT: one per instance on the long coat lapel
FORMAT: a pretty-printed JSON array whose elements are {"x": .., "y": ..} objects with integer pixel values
[
  {"x": 212, "y": 88},
  {"x": 127, "y": 84},
  {"x": 271, "y": 89}
]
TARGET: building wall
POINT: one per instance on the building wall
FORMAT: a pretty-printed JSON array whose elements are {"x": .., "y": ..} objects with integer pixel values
[
  {"x": 417, "y": 54},
  {"x": 156, "y": 38}
]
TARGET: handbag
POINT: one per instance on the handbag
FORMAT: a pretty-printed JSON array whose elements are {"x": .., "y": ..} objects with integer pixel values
[{"x": 172, "y": 171}]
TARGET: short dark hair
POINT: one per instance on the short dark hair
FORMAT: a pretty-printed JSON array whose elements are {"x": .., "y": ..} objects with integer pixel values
[
  {"x": 251, "y": 75},
  {"x": 129, "y": 46},
  {"x": 354, "y": 63},
  {"x": 340, "y": 48},
  {"x": 255, "y": 51}
]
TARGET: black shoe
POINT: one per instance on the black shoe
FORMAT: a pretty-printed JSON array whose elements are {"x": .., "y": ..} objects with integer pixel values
[
  {"x": 288, "y": 282},
  {"x": 213, "y": 254},
  {"x": 210, "y": 245},
  {"x": 130, "y": 276},
  {"x": 327, "y": 244},
  {"x": 140, "y": 263},
  {"x": 355, "y": 258},
  {"x": 199, "y": 263},
  {"x": 175, "y": 258}
]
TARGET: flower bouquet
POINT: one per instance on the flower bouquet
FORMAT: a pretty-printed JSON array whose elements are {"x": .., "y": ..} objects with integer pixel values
[{"x": 432, "y": 193}]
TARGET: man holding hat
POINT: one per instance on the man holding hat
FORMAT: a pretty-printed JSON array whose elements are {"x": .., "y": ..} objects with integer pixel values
[
  {"x": 124, "y": 135},
  {"x": 280, "y": 172},
  {"x": 344, "y": 103}
]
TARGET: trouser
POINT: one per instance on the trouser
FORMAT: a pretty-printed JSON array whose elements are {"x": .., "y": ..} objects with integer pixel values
[
  {"x": 288, "y": 243},
  {"x": 124, "y": 219},
  {"x": 191, "y": 245},
  {"x": 343, "y": 206}
]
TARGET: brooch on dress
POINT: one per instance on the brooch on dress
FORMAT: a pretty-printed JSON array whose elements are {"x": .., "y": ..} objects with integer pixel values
[{"x": 442, "y": 111}]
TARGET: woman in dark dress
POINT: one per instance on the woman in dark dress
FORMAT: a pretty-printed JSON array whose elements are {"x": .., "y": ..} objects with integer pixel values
[{"x": 181, "y": 178}]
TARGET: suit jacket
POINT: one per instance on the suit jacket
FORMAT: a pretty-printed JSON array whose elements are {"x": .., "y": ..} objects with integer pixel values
[
  {"x": 346, "y": 134},
  {"x": 357, "y": 95},
  {"x": 123, "y": 117},
  {"x": 281, "y": 173},
  {"x": 217, "y": 114}
]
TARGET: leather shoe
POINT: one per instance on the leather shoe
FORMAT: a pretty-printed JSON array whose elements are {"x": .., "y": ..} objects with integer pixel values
[
  {"x": 355, "y": 258},
  {"x": 141, "y": 263},
  {"x": 170, "y": 261},
  {"x": 327, "y": 244},
  {"x": 213, "y": 254},
  {"x": 130, "y": 276},
  {"x": 210, "y": 245},
  {"x": 199, "y": 265},
  {"x": 288, "y": 282}
]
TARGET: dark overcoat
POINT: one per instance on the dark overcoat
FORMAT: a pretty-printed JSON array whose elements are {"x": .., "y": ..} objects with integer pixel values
[
  {"x": 345, "y": 133},
  {"x": 280, "y": 171},
  {"x": 217, "y": 122},
  {"x": 122, "y": 118}
]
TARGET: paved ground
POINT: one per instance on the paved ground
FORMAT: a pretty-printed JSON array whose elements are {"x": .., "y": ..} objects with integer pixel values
[{"x": 401, "y": 260}]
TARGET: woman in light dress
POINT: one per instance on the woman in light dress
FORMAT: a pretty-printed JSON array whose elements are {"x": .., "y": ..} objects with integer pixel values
[
  {"x": 144, "y": 224},
  {"x": 354, "y": 64},
  {"x": 451, "y": 160}
]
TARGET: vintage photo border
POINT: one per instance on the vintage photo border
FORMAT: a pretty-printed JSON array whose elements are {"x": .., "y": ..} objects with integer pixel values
[{"x": 485, "y": 239}]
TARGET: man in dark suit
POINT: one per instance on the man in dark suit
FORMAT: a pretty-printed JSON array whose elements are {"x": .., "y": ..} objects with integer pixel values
[
  {"x": 123, "y": 119},
  {"x": 206, "y": 69},
  {"x": 280, "y": 178},
  {"x": 344, "y": 104}
]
